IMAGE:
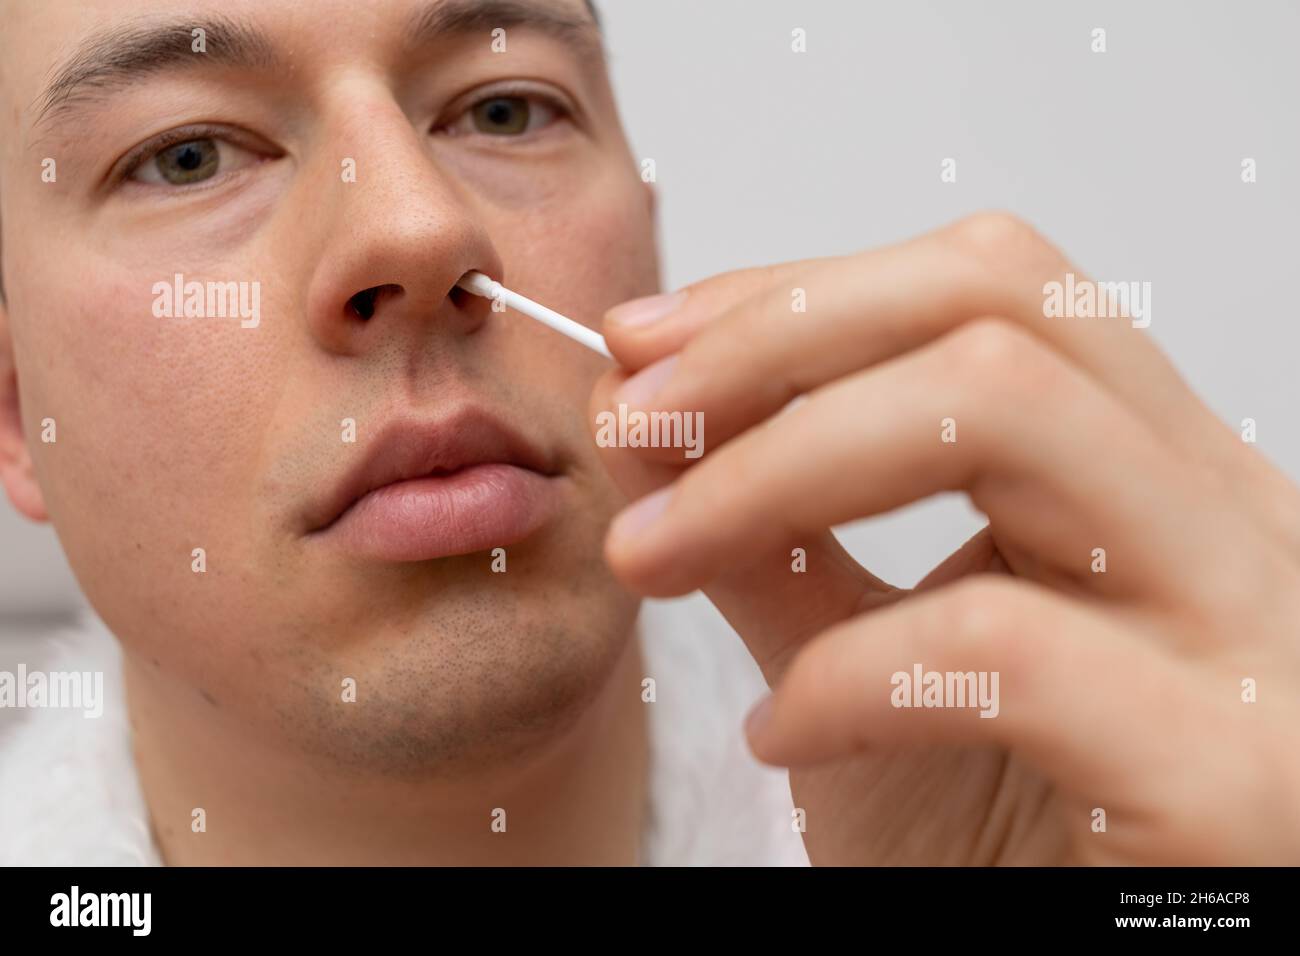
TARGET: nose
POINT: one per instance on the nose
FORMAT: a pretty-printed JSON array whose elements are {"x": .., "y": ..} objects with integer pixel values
[{"x": 394, "y": 235}]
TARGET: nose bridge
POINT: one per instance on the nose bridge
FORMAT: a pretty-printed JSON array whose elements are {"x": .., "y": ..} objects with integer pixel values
[
  {"x": 394, "y": 187},
  {"x": 397, "y": 224}
]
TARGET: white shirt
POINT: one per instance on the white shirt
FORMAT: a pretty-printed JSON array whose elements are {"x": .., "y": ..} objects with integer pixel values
[{"x": 70, "y": 796}]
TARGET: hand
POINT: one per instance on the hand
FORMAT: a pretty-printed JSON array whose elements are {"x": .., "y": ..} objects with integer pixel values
[{"x": 1124, "y": 690}]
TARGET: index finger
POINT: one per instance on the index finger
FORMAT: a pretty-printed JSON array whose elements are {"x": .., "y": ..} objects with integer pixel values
[{"x": 644, "y": 330}]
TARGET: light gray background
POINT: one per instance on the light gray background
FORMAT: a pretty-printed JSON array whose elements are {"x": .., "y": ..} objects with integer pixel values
[{"x": 1129, "y": 160}]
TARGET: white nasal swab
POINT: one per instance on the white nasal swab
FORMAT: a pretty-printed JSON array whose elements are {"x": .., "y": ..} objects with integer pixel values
[{"x": 479, "y": 284}]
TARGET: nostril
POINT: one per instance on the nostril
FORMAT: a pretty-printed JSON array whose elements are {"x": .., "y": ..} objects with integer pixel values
[{"x": 363, "y": 303}]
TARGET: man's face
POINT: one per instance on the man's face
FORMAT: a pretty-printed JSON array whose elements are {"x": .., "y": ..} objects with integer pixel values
[{"x": 321, "y": 150}]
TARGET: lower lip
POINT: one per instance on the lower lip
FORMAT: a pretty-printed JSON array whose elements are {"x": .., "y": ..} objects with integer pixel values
[{"x": 474, "y": 509}]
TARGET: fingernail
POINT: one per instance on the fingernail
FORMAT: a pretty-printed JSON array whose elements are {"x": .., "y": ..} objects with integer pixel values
[
  {"x": 759, "y": 716},
  {"x": 639, "y": 390},
  {"x": 639, "y": 312},
  {"x": 634, "y": 519}
]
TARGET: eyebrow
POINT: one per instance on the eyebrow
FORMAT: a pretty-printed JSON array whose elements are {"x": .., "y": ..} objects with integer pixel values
[
  {"x": 126, "y": 54},
  {"x": 475, "y": 16}
]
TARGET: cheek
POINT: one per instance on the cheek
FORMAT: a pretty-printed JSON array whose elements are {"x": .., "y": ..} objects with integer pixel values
[
  {"x": 589, "y": 251},
  {"x": 578, "y": 226},
  {"x": 579, "y": 257},
  {"x": 619, "y": 230},
  {"x": 155, "y": 418}
]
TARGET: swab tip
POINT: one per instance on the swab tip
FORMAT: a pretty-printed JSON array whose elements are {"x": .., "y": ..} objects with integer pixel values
[{"x": 479, "y": 284}]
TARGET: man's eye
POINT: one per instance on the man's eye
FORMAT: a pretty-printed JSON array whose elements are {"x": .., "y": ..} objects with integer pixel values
[
  {"x": 505, "y": 116},
  {"x": 188, "y": 162}
]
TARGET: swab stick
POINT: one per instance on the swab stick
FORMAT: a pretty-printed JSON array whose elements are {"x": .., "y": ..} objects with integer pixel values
[{"x": 479, "y": 284}]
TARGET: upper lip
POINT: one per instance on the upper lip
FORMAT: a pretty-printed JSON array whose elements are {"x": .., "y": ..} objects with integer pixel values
[{"x": 408, "y": 449}]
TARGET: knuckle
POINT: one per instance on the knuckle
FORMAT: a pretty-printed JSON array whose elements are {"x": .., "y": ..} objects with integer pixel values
[
  {"x": 969, "y": 612},
  {"x": 993, "y": 231},
  {"x": 980, "y": 613},
  {"x": 1003, "y": 243},
  {"x": 1002, "y": 364},
  {"x": 766, "y": 276},
  {"x": 990, "y": 348}
]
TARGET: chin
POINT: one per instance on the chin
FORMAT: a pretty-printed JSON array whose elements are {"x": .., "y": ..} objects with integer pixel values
[{"x": 490, "y": 678}]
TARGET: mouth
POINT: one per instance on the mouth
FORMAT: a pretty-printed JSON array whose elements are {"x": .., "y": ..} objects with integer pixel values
[{"x": 425, "y": 490}]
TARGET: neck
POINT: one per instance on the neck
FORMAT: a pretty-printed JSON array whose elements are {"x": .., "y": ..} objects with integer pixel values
[{"x": 579, "y": 800}]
